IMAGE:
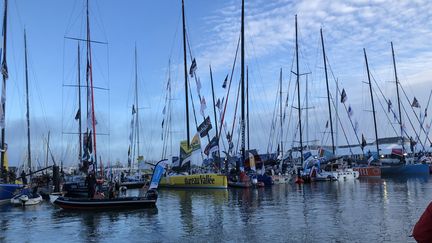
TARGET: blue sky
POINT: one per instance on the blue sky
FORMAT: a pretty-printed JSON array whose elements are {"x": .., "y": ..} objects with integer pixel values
[{"x": 213, "y": 30}]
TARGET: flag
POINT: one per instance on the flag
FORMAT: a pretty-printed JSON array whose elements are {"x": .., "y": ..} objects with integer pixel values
[
  {"x": 343, "y": 96},
  {"x": 225, "y": 82},
  {"x": 415, "y": 103},
  {"x": 157, "y": 174},
  {"x": 218, "y": 104},
  {"x": 203, "y": 106},
  {"x": 389, "y": 105},
  {"x": 370, "y": 160},
  {"x": 326, "y": 126},
  {"x": 350, "y": 111},
  {"x": 212, "y": 146},
  {"x": 356, "y": 126},
  {"x": 204, "y": 127},
  {"x": 363, "y": 143},
  {"x": 163, "y": 121},
  {"x": 129, "y": 150},
  {"x": 395, "y": 117},
  {"x": 193, "y": 68},
  {"x": 252, "y": 161},
  {"x": 425, "y": 113},
  {"x": 198, "y": 85},
  {"x": 78, "y": 114},
  {"x": 164, "y": 110},
  {"x": 4, "y": 70},
  {"x": 133, "y": 109}
]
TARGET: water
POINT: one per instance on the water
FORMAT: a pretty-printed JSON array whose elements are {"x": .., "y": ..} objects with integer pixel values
[{"x": 380, "y": 210}]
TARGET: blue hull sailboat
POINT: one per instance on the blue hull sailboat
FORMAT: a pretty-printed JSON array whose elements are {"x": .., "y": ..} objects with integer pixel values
[{"x": 8, "y": 191}]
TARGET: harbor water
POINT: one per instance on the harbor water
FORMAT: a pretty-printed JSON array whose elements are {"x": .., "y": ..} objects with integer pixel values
[{"x": 374, "y": 210}]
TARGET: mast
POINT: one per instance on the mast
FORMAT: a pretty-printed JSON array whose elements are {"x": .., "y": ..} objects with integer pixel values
[
  {"x": 136, "y": 103},
  {"x": 243, "y": 153},
  {"x": 214, "y": 110},
  {"x": 79, "y": 107},
  {"x": 185, "y": 75},
  {"x": 398, "y": 99},
  {"x": 91, "y": 93},
  {"x": 328, "y": 92},
  {"x": 47, "y": 150},
  {"x": 29, "y": 163},
  {"x": 247, "y": 106},
  {"x": 3, "y": 95},
  {"x": 280, "y": 110},
  {"x": 372, "y": 100},
  {"x": 298, "y": 92}
]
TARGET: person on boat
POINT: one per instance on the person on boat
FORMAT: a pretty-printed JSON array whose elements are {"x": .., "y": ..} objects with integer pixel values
[
  {"x": 423, "y": 228},
  {"x": 91, "y": 183},
  {"x": 23, "y": 178}
]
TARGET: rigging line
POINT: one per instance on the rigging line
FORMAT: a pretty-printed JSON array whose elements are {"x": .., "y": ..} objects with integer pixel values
[
  {"x": 422, "y": 128},
  {"x": 343, "y": 129},
  {"x": 385, "y": 98},
  {"x": 340, "y": 93},
  {"x": 229, "y": 86},
  {"x": 235, "y": 111},
  {"x": 386, "y": 113}
]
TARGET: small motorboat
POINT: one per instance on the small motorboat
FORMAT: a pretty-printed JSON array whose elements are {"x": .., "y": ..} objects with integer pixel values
[{"x": 27, "y": 198}]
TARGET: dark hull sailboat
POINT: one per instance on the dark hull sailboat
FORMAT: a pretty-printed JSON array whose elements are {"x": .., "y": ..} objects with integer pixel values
[
  {"x": 149, "y": 201},
  {"x": 120, "y": 203}
]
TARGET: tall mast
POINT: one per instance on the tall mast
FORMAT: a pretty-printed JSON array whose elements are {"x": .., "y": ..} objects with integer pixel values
[
  {"x": 243, "y": 153},
  {"x": 372, "y": 100},
  {"x": 185, "y": 74},
  {"x": 328, "y": 92},
  {"x": 398, "y": 99},
  {"x": 298, "y": 92},
  {"x": 214, "y": 110},
  {"x": 47, "y": 150},
  {"x": 3, "y": 95},
  {"x": 247, "y": 106},
  {"x": 29, "y": 163},
  {"x": 280, "y": 114},
  {"x": 90, "y": 76},
  {"x": 136, "y": 103},
  {"x": 79, "y": 107}
]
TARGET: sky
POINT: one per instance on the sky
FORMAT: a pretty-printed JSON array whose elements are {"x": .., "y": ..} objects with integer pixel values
[{"x": 213, "y": 29}]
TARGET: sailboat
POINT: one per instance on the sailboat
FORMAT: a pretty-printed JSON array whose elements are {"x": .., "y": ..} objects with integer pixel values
[
  {"x": 27, "y": 197},
  {"x": 7, "y": 189},
  {"x": 406, "y": 166},
  {"x": 134, "y": 180},
  {"x": 187, "y": 148},
  {"x": 88, "y": 158}
]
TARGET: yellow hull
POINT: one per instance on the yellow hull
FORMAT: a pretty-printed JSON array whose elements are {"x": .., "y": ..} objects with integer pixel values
[{"x": 199, "y": 181}]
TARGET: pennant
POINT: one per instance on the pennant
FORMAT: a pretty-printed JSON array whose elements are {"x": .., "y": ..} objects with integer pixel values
[
  {"x": 343, "y": 96},
  {"x": 356, "y": 126},
  {"x": 212, "y": 146},
  {"x": 164, "y": 110},
  {"x": 193, "y": 68},
  {"x": 198, "y": 85},
  {"x": 350, "y": 111},
  {"x": 78, "y": 114},
  {"x": 218, "y": 104},
  {"x": 389, "y": 105},
  {"x": 327, "y": 124},
  {"x": 225, "y": 82},
  {"x": 363, "y": 143},
  {"x": 425, "y": 113},
  {"x": 163, "y": 121},
  {"x": 203, "y": 106},
  {"x": 204, "y": 127},
  {"x": 395, "y": 117},
  {"x": 133, "y": 109},
  {"x": 415, "y": 103}
]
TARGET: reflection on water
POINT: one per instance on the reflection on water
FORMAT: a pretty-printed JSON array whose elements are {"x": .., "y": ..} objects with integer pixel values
[{"x": 373, "y": 210}]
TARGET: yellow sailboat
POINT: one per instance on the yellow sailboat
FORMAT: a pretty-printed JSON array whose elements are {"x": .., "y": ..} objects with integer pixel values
[{"x": 193, "y": 179}]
